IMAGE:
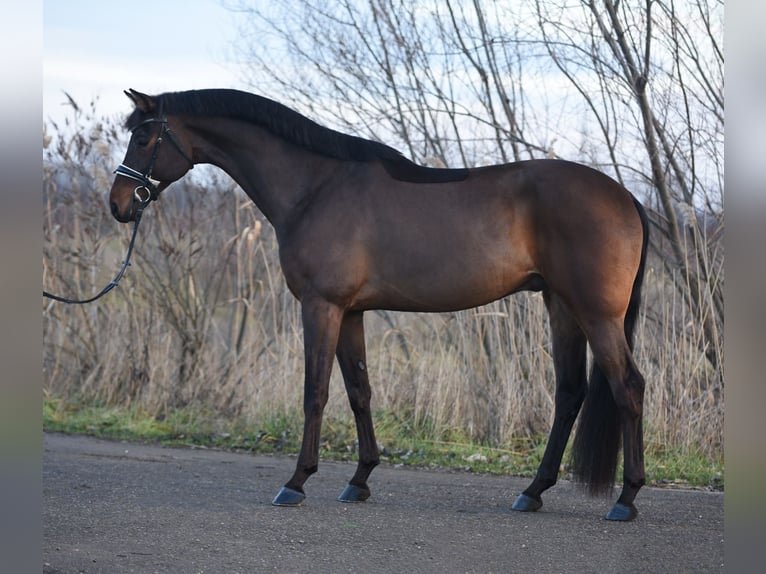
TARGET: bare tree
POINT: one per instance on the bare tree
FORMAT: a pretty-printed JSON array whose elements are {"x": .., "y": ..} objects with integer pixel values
[
  {"x": 635, "y": 89},
  {"x": 435, "y": 78},
  {"x": 659, "y": 66}
]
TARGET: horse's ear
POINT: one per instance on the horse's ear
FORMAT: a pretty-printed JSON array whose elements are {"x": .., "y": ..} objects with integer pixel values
[{"x": 143, "y": 102}]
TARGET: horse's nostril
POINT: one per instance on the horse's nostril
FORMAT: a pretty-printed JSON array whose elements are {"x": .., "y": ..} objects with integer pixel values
[{"x": 115, "y": 209}]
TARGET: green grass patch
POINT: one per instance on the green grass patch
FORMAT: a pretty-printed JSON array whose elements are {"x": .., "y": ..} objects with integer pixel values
[
  {"x": 682, "y": 468},
  {"x": 403, "y": 441}
]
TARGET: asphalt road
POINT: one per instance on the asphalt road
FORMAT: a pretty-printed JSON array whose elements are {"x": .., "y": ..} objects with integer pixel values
[{"x": 117, "y": 507}]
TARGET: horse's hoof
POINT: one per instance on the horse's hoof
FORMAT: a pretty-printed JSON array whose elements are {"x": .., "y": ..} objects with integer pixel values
[
  {"x": 526, "y": 503},
  {"x": 354, "y": 494},
  {"x": 622, "y": 512},
  {"x": 288, "y": 497}
]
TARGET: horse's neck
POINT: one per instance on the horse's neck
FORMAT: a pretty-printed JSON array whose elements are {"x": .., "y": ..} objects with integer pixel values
[{"x": 274, "y": 174}]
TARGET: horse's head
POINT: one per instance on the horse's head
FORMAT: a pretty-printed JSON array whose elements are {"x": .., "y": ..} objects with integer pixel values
[{"x": 148, "y": 167}]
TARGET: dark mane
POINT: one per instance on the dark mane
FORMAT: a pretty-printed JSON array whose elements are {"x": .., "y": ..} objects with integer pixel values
[{"x": 295, "y": 128}]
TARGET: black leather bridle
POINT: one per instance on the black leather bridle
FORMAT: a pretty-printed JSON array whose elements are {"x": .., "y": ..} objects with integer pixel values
[{"x": 145, "y": 178}]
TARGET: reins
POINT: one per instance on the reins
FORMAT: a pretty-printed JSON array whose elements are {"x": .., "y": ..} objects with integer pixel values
[{"x": 125, "y": 264}]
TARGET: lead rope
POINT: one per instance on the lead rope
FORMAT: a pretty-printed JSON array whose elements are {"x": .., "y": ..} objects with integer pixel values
[{"x": 116, "y": 280}]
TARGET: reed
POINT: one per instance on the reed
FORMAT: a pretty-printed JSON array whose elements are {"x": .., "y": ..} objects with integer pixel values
[{"x": 203, "y": 318}]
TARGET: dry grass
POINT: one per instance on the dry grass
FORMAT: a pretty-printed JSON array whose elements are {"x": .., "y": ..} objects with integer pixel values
[{"x": 203, "y": 317}]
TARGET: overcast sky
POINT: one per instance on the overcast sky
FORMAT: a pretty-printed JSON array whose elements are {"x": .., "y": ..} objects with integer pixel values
[{"x": 98, "y": 49}]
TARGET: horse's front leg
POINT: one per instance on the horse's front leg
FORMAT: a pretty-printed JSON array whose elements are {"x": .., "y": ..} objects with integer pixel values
[
  {"x": 351, "y": 357},
  {"x": 321, "y": 325}
]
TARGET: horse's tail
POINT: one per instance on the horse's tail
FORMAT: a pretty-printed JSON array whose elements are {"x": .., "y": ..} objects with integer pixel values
[{"x": 598, "y": 439}]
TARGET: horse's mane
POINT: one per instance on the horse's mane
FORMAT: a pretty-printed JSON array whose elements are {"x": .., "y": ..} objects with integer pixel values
[{"x": 295, "y": 128}]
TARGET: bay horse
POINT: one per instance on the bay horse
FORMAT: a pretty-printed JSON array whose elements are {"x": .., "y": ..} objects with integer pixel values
[{"x": 360, "y": 227}]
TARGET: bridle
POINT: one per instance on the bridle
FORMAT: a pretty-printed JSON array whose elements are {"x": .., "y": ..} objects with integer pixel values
[
  {"x": 151, "y": 186},
  {"x": 145, "y": 178}
]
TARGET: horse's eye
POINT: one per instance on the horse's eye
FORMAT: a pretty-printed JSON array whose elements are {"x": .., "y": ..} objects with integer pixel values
[
  {"x": 141, "y": 139},
  {"x": 141, "y": 136}
]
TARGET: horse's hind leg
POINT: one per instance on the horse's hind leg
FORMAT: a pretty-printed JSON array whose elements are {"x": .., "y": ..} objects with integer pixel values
[
  {"x": 351, "y": 357},
  {"x": 569, "y": 358},
  {"x": 613, "y": 356}
]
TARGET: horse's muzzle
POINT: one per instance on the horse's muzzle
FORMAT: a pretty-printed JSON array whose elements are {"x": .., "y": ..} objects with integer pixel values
[{"x": 119, "y": 215}]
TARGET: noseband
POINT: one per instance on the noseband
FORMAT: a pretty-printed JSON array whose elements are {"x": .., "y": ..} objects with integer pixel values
[{"x": 149, "y": 185}]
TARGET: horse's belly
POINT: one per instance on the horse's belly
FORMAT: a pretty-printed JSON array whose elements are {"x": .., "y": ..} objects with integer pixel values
[{"x": 451, "y": 285}]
